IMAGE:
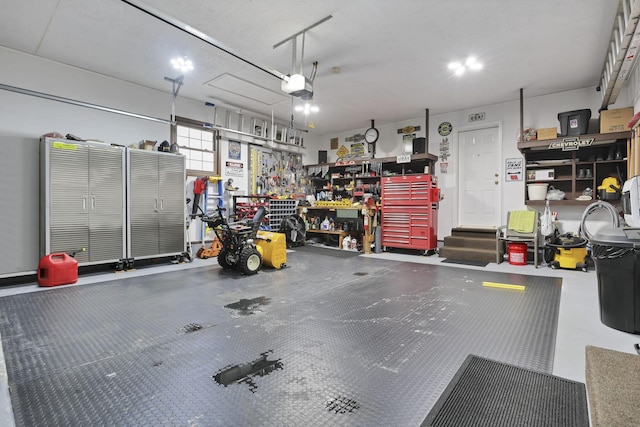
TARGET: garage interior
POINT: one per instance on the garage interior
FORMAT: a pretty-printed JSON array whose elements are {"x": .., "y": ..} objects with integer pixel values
[{"x": 394, "y": 305}]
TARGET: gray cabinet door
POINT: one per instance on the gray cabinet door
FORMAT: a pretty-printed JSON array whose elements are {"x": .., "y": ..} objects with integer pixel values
[
  {"x": 84, "y": 200},
  {"x": 67, "y": 204},
  {"x": 19, "y": 205},
  {"x": 106, "y": 203},
  {"x": 156, "y": 204},
  {"x": 172, "y": 220},
  {"x": 143, "y": 204}
]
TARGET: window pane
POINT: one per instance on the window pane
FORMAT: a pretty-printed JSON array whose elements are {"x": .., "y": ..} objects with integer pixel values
[
  {"x": 195, "y": 133},
  {"x": 183, "y": 141},
  {"x": 182, "y": 131},
  {"x": 192, "y": 142}
]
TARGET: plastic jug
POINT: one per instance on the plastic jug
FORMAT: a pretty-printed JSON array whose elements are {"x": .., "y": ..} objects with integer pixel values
[
  {"x": 325, "y": 224},
  {"x": 346, "y": 243}
]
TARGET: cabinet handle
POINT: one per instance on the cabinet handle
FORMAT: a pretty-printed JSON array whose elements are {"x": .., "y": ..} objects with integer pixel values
[
  {"x": 93, "y": 203},
  {"x": 84, "y": 203},
  {"x": 161, "y": 204},
  {"x": 155, "y": 205}
]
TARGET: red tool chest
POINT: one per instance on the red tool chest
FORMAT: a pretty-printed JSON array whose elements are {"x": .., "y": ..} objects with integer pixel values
[{"x": 410, "y": 212}]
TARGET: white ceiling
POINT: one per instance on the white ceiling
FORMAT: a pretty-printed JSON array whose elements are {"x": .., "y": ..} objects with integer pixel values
[{"x": 392, "y": 55}]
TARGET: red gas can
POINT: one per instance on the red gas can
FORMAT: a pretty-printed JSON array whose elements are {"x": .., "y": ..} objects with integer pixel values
[{"x": 57, "y": 269}]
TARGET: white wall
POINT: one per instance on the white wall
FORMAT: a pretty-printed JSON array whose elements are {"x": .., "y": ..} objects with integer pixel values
[
  {"x": 29, "y": 116},
  {"x": 539, "y": 112}
]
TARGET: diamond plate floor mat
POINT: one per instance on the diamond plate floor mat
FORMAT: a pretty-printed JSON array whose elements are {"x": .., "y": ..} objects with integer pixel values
[
  {"x": 325, "y": 341},
  {"x": 489, "y": 393}
]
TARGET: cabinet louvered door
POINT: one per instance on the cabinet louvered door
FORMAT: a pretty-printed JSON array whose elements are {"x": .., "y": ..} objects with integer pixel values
[
  {"x": 67, "y": 198},
  {"x": 172, "y": 202},
  {"x": 143, "y": 204},
  {"x": 106, "y": 204}
]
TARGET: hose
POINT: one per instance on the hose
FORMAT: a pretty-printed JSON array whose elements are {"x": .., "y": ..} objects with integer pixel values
[{"x": 615, "y": 217}]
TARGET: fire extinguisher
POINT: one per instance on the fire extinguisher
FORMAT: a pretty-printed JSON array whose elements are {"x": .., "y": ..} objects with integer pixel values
[{"x": 365, "y": 215}]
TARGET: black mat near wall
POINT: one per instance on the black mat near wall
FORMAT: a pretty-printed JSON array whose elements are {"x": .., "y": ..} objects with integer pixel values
[
  {"x": 325, "y": 341},
  {"x": 488, "y": 393},
  {"x": 465, "y": 262},
  {"x": 327, "y": 251}
]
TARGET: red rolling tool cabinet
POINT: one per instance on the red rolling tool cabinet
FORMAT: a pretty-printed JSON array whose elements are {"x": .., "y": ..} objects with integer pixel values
[{"x": 410, "y": 212}]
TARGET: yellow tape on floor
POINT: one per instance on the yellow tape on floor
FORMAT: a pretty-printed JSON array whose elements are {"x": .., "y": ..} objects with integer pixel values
[{"x": 503, "y": 286}]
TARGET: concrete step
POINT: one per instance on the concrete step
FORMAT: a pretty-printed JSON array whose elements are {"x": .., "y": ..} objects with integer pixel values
[
  {"x": 470, "y": 242},
  {"x": 468, "y": 254},
  {"x": 486, "y": 233}
]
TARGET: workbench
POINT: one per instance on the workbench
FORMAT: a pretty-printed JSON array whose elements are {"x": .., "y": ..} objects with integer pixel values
[{"x": 340, "y": 233}]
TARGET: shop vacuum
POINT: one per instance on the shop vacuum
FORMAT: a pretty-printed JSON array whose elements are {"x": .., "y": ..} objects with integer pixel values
[
  {"x": 566, "y": 251},
  {"x": 562, "y": 251}
]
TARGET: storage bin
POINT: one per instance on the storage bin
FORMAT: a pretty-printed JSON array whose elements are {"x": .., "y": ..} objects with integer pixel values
[
  {"x": 574, "y": 122},
  {"x": 537, "y": 191},
  {"x": 617, "y": 260},
  {"x": 517, "y": 253}
]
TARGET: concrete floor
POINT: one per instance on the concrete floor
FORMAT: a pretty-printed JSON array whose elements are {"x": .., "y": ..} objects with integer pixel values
[{"x": 578, "y": 323}]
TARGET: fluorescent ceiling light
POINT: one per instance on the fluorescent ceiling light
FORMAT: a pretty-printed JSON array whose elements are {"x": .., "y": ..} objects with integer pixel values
[
  {"x": 307, "y": 108},
  {"x": 182, "y": 64},
  {"x": 471, "y": 63}
]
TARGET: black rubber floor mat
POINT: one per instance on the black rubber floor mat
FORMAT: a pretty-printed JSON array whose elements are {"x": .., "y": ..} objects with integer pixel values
[
  {"x": 371, "y": 349},
  {"x": 321, "y": 250},
  {"x": 488, "y": 393}
]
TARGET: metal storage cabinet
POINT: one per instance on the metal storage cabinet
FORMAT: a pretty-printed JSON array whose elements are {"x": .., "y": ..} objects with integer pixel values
[
  {"x": 19, "y": 206},
  {"x": 410, "y": 212},
  {"x": 83, "y": 196},
  {"x": 155, "y": 204}
]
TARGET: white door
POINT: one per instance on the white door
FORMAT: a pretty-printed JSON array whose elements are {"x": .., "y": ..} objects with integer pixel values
[{"x": 480, "y": 177}]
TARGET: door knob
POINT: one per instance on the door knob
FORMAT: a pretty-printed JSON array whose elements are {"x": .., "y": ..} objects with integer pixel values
[
  {"x": 496, "y": 175},
  {"x": 496, "y": 182}
]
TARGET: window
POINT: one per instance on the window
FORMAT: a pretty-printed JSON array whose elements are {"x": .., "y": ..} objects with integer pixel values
[{"x": 198, "y": 145}]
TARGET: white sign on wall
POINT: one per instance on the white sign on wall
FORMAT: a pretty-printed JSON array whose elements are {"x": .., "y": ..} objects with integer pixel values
[
  {"x": 234, "y": 169},
  {"x": 513, "y": 169}
]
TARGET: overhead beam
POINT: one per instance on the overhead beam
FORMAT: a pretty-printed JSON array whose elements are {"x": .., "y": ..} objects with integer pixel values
[{"x": 326, "y": 18}]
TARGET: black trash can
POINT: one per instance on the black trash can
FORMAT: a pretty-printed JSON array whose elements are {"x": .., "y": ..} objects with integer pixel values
[{"x": 617, "y": 261}]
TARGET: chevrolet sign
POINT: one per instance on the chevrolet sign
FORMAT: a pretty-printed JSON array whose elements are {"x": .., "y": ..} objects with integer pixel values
[{"x": 570, "y": 144}]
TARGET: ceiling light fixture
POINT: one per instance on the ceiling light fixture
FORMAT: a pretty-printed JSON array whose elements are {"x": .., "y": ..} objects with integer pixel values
[
  {"x": 459, "y": 68},
  {"x": 307, "y": 108},
  {"x": 182, "y": 63}
]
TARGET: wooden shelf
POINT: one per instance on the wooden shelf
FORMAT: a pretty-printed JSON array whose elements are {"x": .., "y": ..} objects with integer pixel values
[
  {"x": 568, "y": 164},
  {"x": 598, "y": 139},
  {"x": 414, "y": 158}
]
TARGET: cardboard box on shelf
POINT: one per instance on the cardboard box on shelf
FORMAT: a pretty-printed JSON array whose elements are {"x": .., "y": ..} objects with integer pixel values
[
  {"x": 615, "y": 120},
  {"x": 540, "y": 174},
  {"x": 547, "y": 133},
  {"x": 147, "y": 145}
]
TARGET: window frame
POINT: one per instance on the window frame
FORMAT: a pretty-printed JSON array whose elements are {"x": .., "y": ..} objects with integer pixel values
[{"x": 201, "y": 126}]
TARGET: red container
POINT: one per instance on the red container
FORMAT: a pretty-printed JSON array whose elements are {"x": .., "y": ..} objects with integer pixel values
[
  {"x": 57, "y": 269},
  {"x": 517, "y": 253}
]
